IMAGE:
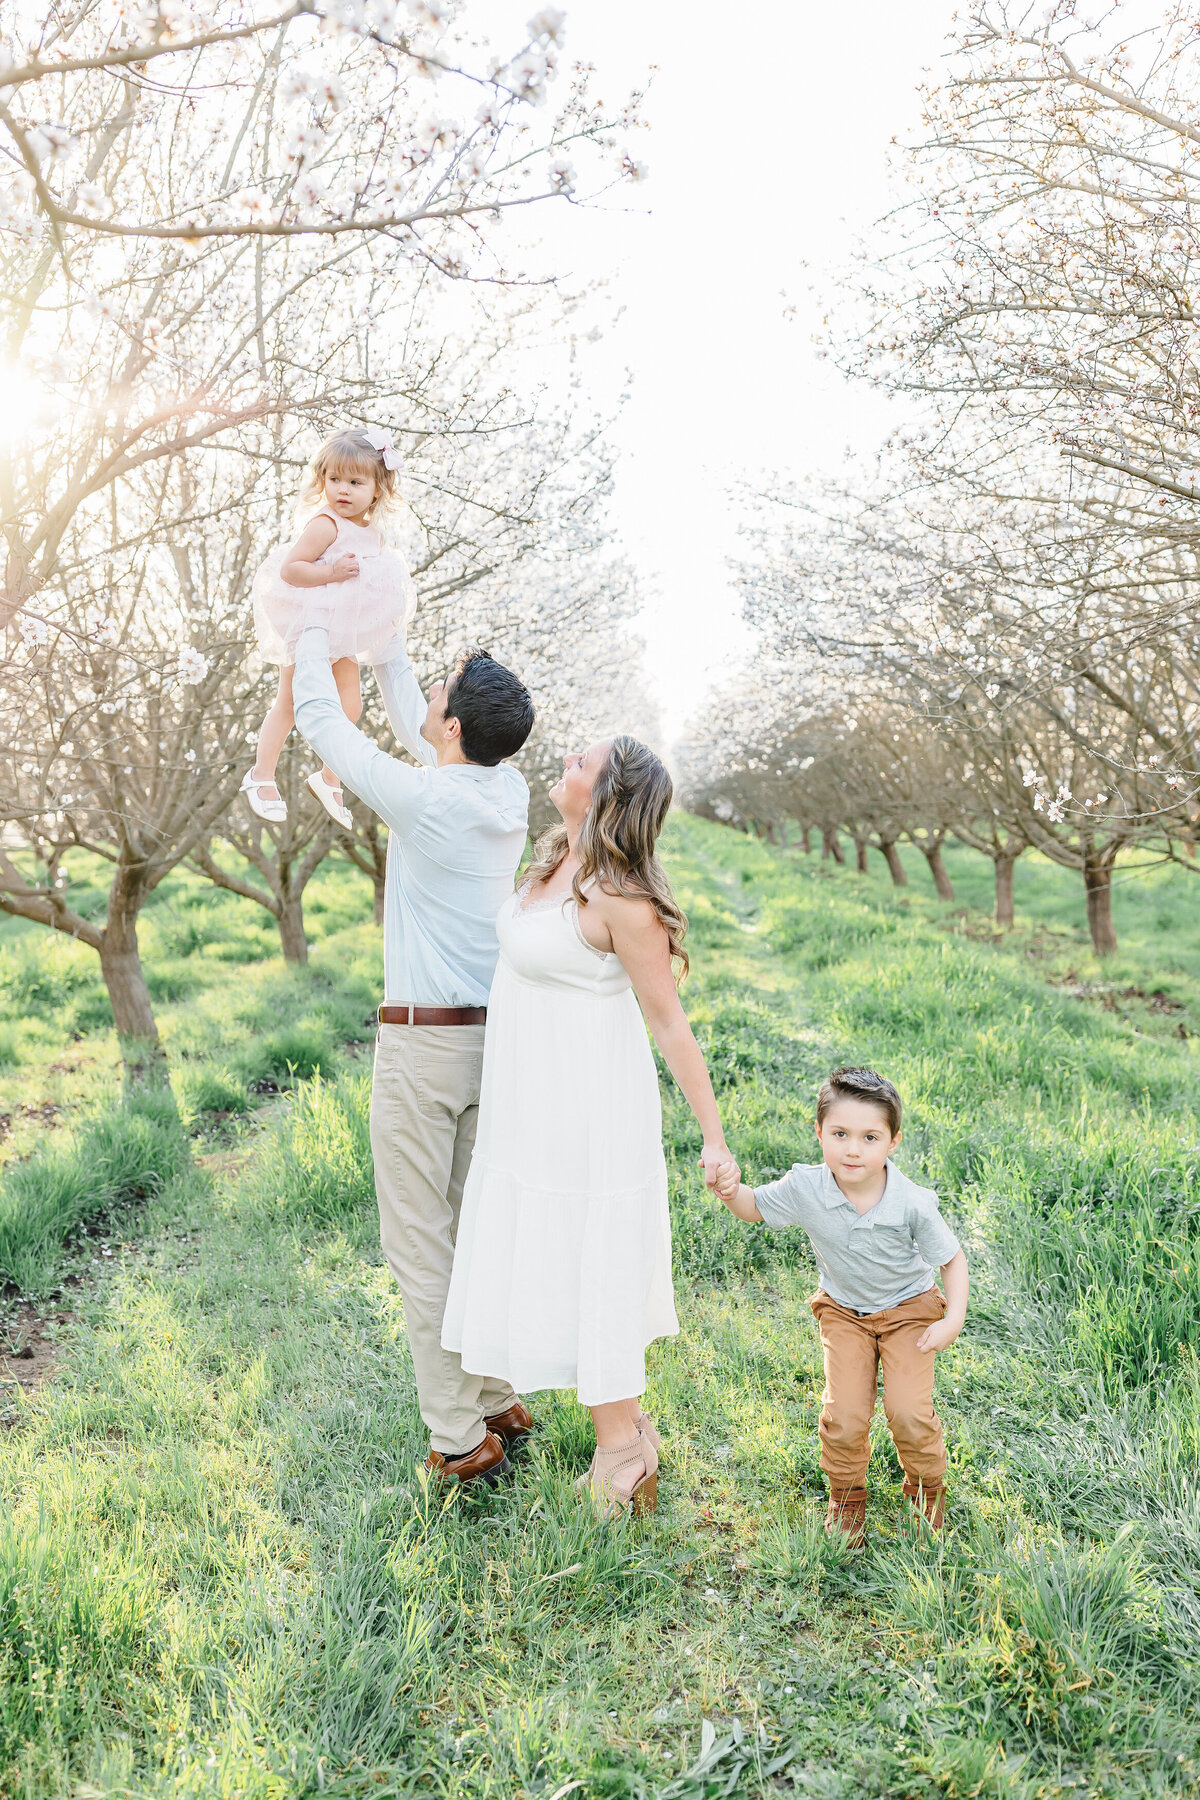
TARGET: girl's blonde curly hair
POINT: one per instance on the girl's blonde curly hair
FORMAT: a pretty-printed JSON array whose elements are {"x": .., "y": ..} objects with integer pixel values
[{"x": 350, "y": 452}]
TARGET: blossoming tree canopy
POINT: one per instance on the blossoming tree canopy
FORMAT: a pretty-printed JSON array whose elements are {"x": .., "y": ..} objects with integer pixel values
[{"x": 339, "y": 117}]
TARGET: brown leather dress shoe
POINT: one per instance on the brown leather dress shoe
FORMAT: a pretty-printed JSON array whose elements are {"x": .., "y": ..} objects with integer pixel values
[
  {"x": 514, "y": 1427},
  {"x": 847, "y": 1513},
  {"x": 486, "y": 1464},
  {"x": 928, "y": 1500}
]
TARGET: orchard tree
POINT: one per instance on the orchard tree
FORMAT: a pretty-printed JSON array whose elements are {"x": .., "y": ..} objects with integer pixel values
[{"x": 177, "y": 182}]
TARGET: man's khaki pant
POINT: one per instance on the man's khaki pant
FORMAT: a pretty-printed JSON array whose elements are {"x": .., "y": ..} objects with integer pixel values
[
  {"x": 855, "y": 1350},
  {"x": 424, "y": 1107}
]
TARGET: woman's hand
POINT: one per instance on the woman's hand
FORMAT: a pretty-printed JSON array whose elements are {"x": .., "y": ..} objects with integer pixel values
[
  {"x": 345, "y": 568},
  {"x": 714, "y": 1157}
]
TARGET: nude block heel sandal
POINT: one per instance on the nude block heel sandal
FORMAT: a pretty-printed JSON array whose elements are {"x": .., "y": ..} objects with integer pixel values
[
  {"x": 648, "y": 1429},
  {"x": 610, "y": 1495}
]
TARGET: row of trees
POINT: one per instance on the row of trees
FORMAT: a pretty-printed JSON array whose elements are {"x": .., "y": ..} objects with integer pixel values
[
  {"x": 223, "y": 236},
  {"x": 994, "y": 631}
]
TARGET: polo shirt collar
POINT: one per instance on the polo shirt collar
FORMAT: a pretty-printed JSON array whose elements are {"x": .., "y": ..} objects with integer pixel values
[{"x": 888, "y": 1208}]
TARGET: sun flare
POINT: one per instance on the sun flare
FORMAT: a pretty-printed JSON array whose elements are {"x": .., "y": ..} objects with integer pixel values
[{"x": 25, "y": 407}]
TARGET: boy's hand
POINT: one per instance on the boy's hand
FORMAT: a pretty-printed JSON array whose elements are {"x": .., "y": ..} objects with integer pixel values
[{"x": 939, "y": 1336}]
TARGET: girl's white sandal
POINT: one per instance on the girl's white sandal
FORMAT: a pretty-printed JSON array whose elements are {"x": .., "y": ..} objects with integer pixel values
[
  {"x": 273, "y": 811},
  {"x": 325, "y": 794}
]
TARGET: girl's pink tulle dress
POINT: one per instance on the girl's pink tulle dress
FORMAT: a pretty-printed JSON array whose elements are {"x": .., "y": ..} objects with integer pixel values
[{"x": 362, "y": 616}]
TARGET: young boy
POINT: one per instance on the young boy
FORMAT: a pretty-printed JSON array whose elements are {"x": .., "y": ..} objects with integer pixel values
[{"x": 877, "y": 1238}]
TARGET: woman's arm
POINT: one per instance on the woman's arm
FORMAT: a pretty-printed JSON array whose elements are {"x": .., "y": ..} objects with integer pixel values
[
  {"x": 640, "y": 941},
  {"x": 956, "y": 1284},
  {"x": 300, "y": 568}
]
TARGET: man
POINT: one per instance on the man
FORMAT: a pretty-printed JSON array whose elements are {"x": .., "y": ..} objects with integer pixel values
[{"x": 457, "y": 828}]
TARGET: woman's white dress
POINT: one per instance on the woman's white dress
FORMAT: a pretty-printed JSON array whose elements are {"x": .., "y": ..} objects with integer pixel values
[
  {"x": 363, "y": 616},
  {"x": 562, "y": 1270}
]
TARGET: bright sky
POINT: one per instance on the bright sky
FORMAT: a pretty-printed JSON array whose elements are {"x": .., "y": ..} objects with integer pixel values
[{"x": 767, "y": 157}]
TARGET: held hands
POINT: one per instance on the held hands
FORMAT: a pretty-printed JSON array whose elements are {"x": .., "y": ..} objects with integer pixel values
[
  {"x": 345, "y": 568},
  {"x": 715, "y": 1160},
  {"x": 729, "y": 1180}
]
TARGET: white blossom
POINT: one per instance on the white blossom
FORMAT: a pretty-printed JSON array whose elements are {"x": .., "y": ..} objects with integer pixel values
[
  {"x": 34, "y": 631},
  {"x": 51, "y": 144},
  {"x": 253, "y": 206},
  {"x": 548, "y": 24},
  {"x": 91, "y": 200},
  {"x": 101, "y": 627},
  {"x": 562, "y": 174},
  {"x": 192, "y": 666}
]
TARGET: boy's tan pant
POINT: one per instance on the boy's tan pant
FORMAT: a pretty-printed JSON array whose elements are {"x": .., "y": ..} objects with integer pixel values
[
  {"x": 424, "y": 1107},
  {"x": 855, "y": 1347}
]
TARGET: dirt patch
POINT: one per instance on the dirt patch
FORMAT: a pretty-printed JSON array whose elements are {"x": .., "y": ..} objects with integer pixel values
[
  {"x": 41, "y": 1112},
  {"x": 28, "y": 1353},
  {"x": 1109, "y": 996}
]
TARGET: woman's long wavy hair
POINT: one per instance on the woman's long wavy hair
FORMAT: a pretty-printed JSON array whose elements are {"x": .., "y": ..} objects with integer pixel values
[{"x": 617, "y": 846}]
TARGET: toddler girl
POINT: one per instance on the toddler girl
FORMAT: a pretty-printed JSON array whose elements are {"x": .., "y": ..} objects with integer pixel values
[{"x": 351, "y": 482}]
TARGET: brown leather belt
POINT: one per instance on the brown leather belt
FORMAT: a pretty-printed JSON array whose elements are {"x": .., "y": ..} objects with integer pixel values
[{"x": 433, "y": 1015}]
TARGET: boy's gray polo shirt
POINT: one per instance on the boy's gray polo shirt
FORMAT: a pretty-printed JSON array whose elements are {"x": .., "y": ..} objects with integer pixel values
[{"x": 867, "y": 1261}]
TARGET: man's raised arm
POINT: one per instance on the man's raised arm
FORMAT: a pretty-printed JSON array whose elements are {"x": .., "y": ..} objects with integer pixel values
[
  {"x": 393, "y": 790},
  {"x": 404, "y": 704}
]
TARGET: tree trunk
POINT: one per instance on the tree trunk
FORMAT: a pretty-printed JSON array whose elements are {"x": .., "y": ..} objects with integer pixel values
[
  {"x": 831, "y": 847},
  {"x": 937, "y": 868},
  {"x": 806, "y": 841},
  {"x": 860, "y": 855},
  {"x": 380, "y": 891},
  {"x": 1004, "y": 890},
  {"x": 1097, "y": 880},
  {"x": 895, "y": 866},
  {"x": 133, "y": 1013},
  {"x": 291, "y": 928}
]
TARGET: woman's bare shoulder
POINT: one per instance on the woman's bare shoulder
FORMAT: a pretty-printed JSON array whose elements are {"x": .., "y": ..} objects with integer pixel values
[{"x": 634, "y": 911}]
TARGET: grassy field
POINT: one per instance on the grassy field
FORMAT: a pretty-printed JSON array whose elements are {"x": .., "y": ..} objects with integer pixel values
[{"x": 219, "y": 1574}]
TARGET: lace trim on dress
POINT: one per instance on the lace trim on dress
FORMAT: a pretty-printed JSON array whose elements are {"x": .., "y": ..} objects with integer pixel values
[
  {"x": 524, "y": 906},
  {"x": 602, "y": 954},
  {"x": 537, "y": 906}
]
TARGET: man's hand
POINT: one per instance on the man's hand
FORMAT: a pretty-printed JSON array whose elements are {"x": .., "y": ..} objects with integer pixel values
[
  {"x": 713, "y": 1157},
  {"x": 939, "y": 1336}
]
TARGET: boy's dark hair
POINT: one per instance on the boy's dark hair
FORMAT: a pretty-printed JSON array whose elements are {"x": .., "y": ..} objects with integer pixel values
[
  {"x": 492, "y": 706},
  {"x": 860, "y": 1084}
]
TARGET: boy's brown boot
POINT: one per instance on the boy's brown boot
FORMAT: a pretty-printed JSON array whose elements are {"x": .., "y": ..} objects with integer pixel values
[
  {"x": 928, "y": 1500},
  {"x": 847, "y": 1513}
]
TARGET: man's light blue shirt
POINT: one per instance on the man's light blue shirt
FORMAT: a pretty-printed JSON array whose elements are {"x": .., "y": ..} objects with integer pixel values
[
  {"x": 455, "y": 834},
  {"x": 867, "y": 1261}
]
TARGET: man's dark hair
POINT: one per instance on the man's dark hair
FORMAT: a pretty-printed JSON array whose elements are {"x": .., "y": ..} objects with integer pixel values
[
  {"x": 860, "y": 1084},
  {"x": 492, "y": 706}
]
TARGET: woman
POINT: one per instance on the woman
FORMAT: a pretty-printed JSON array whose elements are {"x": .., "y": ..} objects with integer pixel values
[{"x": 562, "y": 1271}]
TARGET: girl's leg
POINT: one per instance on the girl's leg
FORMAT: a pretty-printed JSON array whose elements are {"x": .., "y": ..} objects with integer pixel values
[
  {"x": 349, "y": 686},
  {"x": 274, "y": 735}
]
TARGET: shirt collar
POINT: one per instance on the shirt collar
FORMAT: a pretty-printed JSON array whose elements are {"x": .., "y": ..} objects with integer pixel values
[{"x": 884, "y": 1209}]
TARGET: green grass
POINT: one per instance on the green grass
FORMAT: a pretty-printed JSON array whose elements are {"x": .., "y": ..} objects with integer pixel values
[{"x": 220, "y": 1574}]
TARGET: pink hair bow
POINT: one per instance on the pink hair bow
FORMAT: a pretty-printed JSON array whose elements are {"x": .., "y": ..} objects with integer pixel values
[{"x": 380, "y": 440}]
